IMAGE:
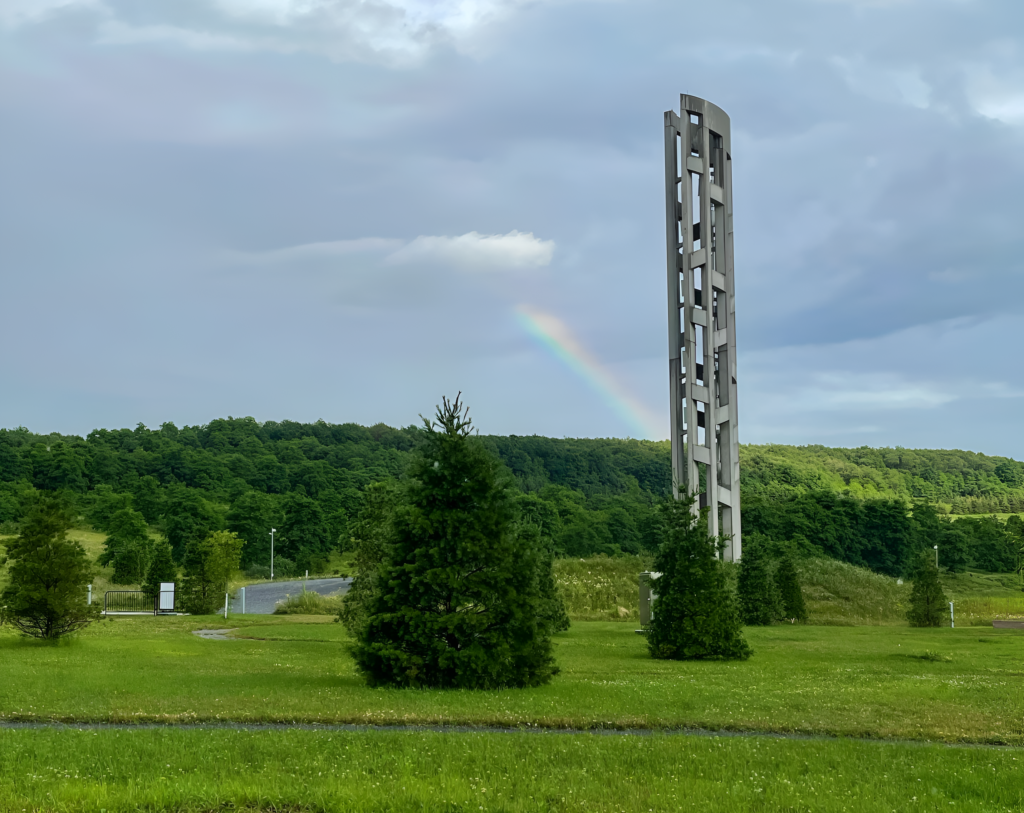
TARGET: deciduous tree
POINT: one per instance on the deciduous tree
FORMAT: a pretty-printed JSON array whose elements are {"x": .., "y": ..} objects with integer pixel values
[
  {"x": 209, "y": 563},
  {"x": 187, "y": 518},
  {"x": 128, "y": 546},
  {"x": 161, "y": 570},
  {"x": 252, "y": 516},
  {"x": 305, "y": 533}
]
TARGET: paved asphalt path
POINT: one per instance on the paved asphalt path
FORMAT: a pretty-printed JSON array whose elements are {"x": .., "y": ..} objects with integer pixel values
[{"x": 260, "y": 599}]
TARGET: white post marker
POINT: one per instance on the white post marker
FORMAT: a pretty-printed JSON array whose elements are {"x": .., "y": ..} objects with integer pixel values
[
  {"x": 952, "y": 621},
  {"x": 90, "y": 595},
  {"x": 225, "y": 606},
  {"x": 243, "y": 601},
  {"x": 936, "y": 555}
]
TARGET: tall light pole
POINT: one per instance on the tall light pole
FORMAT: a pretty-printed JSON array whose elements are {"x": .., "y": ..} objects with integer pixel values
[{"x": 272, "y": 532}]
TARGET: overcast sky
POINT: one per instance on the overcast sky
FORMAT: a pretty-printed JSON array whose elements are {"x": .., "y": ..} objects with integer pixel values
[{"x": 305, "y": 209}]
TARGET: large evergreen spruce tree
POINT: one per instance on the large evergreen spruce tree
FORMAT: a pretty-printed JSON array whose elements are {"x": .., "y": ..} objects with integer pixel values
[
  {"x": 458, "y": 601},
  {"x": 760, "y": 602},
  {"x": 694, "y": 616},
  {"x": 46, "y": 594},
  {"x": 790, "y": 592},
  {"x": 928, "y": 603}
]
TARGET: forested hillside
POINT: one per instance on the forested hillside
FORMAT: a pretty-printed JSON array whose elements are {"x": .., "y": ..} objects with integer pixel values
[
  {"x": 587, "y": 495},
  {"x": 963, "y": 482}
]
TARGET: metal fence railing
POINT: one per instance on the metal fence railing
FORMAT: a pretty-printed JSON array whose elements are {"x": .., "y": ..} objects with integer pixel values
[
  {"x": 128, "y": 601},
  {"x": 136, "y": 602}
]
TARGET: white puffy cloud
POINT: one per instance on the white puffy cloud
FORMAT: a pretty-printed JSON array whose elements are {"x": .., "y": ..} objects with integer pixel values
[{"x": 478, "y": 252}]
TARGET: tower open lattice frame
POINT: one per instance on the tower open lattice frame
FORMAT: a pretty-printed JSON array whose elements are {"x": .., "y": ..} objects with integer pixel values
[{"x": 701, "y": 314}]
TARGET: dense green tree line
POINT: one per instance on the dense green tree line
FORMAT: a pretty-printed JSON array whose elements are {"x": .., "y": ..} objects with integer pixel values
[
  {"x": 587, "y": 496},
  {"x": 885, "y": 535}
]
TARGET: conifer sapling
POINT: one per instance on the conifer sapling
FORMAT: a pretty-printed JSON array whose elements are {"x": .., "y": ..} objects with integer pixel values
[
  {"x": 760, "y": 603},
  {"x": 694, "y": 616},
  {"x": 49, "y": 574},
  {"x": 928, "y": 603},
  {"x": 788, "y": 584}
]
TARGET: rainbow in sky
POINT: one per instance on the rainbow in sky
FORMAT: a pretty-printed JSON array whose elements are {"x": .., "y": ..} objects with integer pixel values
[{"x": 556, "y": 337}]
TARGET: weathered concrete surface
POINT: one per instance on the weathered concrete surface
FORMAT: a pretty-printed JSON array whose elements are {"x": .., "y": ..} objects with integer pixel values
[{"x": 702, "y": 314}]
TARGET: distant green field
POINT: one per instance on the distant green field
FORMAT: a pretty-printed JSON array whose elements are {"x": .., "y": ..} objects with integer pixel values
[
  {"x": 961, "y": 685},
  {"x": 1000, "y": 517},
  {"x": 175, "y": 770}
]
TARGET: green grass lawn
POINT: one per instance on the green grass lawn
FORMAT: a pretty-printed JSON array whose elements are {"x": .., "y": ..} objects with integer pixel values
[
  {"x": 209, "y": 770},
  {"x": 962, "y": 685}
]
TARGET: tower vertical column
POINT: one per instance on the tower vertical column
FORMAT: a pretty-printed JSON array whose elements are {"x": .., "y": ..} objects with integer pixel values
[{"x": 701, "y": 314}]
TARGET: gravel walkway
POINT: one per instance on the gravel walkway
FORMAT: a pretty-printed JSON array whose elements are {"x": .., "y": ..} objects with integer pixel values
[{"x": 12, "y": 725}]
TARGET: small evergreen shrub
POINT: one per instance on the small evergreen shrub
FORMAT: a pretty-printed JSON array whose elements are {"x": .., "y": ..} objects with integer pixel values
[
  {"x": 760, "y": 602},
  {"x": 46, "y": 593},
  {"x": 929, "y": 606},
  {"x": 695, "y": 616},
  {"x": 790, "y": 593}
]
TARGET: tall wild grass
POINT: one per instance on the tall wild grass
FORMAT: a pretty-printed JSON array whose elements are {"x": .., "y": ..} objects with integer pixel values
[
  {"x": 601, "y": 588},
  {"x": 836, "y": 593},
  {"x": 309, "y": 603}
]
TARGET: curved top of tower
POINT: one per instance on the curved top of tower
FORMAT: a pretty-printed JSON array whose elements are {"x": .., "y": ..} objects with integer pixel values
[{"x": 715, "y": 118}]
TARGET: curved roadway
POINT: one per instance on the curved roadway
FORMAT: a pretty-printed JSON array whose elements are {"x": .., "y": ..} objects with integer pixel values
[{"x": 260, "y": 599}]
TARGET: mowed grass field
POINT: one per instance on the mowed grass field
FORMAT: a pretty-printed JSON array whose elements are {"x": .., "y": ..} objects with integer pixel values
[
  {"x": 949, "y": 685},
  {"x": 207, "y": 770},
  {"x": 944, "y": 689}
]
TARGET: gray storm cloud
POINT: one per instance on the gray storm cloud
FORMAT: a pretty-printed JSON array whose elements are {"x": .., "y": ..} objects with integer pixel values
[{"x": 333, "y": 209}]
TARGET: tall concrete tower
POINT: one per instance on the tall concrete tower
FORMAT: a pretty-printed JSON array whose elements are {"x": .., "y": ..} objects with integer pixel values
[{"x": 701, "y": 313}]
